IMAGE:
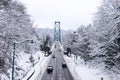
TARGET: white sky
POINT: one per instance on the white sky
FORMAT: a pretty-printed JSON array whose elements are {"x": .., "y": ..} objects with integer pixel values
[{"x": 71, "y": 13}]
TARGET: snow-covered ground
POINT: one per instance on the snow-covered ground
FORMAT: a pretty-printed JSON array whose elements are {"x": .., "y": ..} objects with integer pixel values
[
  {"x": 28, "y": 71},
  {"x": 39, "y": 69},
  {"x": 23, "y": 65},
  {"x": 80, "y": 71}
]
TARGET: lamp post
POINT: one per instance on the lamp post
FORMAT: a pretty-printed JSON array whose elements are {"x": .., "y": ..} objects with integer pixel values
[{"x": 14, "y": 48}]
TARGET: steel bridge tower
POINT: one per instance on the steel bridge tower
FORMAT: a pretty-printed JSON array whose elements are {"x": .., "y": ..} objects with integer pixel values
[{"x": 57, "y": 31}]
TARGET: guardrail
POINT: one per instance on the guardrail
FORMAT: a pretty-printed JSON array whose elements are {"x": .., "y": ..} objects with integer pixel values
[{"x": 31, "y": 75}]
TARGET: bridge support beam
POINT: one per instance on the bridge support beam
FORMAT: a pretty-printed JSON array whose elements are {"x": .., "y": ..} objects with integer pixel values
[{"x": 57, "y": 31}]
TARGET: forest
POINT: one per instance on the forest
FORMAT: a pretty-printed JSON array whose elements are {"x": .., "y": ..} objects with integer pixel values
[{"x": 99, "y": 44}]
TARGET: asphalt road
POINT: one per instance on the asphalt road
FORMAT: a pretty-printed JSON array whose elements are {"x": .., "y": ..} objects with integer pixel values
[{"x": 59, "y": 73}]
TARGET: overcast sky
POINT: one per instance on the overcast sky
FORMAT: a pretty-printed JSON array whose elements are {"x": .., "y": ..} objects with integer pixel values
[{"x": 71, "y": 13}]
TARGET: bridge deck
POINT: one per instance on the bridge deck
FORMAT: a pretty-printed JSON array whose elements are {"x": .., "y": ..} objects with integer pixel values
[{"x": 59, "y": 73}]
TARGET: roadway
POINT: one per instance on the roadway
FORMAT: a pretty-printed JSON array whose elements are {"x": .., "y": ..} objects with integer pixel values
[{"x": 59, "y": 73}]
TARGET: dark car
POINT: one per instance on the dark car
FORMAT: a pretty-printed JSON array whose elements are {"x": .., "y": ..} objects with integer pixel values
[
  {"x": 49, "y": 69},
  {"x": 64, "y": 64},
  {"x": 53, "y": 56}
]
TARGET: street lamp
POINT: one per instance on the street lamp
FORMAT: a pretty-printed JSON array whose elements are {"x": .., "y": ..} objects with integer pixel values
[{"x": 14, "y": 48}]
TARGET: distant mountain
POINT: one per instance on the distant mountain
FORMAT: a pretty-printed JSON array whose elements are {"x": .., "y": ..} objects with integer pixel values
[{"x": 46, "y": 31}]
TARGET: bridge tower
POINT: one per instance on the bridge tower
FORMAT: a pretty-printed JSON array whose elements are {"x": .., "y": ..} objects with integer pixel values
[{"x": 57, "y": 31}]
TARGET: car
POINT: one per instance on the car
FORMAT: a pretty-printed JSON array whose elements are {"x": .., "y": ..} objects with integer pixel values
[
  {"x": 46, "y": 55},
  {"x": 53, "y": 56},
  {"x": 49, "y": 69},
  {"x": 64, "y": 64},
  {"x": 50, "y": 52}
]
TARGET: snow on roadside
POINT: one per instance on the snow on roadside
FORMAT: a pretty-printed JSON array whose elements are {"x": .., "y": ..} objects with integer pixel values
[
  {"x": 81, "y": 71},
  {"x": 88, "y": 73},
  {"x": 39, "y": 68},
  {"x": 23, "y": 61},
  {"x": 23, "y": 65},
  {"x": 70, "y": 65}
]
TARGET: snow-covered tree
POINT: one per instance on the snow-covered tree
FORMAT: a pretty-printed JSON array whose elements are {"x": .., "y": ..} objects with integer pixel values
[
  {"x": 15, "y": 25},
  {"x": 79, "y": 41},
  {"x": 46, "y": 41},
  {"x": 107, "y": 25}
]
